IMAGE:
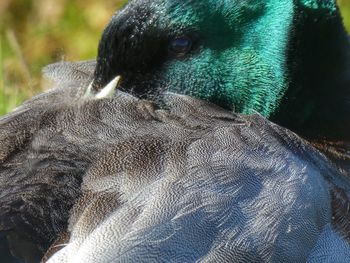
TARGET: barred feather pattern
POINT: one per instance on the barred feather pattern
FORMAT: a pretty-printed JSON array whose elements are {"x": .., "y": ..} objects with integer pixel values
[{"x": 189, "y": 182}]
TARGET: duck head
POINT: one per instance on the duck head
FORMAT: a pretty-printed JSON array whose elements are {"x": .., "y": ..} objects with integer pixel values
[{"x": 287, "y": 60}]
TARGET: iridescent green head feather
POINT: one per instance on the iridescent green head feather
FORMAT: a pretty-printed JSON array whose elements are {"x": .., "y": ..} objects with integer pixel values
[{"x": 239, "y": 62}]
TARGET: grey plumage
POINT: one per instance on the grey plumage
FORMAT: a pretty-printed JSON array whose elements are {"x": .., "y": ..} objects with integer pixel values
[{"x": 190, "y": 182}]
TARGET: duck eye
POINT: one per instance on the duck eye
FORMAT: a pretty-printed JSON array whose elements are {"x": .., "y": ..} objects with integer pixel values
[{"x": 180, "y": 45}]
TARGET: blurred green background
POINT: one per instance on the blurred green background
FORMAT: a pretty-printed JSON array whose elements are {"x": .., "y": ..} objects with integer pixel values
[{"x": 34, "y": 33}]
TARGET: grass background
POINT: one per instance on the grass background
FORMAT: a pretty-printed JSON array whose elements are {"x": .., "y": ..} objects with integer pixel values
[{"x": 34, "y": 33}]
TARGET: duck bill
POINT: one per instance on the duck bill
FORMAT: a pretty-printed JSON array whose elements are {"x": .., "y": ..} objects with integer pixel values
[{"x": 106, "y": 92}]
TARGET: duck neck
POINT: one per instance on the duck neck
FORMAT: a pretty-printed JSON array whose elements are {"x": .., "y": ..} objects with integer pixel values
[{"x": 317, "y": 102}]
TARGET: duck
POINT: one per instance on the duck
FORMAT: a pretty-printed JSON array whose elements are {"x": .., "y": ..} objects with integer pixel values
[{"x": 204, "y": 131}]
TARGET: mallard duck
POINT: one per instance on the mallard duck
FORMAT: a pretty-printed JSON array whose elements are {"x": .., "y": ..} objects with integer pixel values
[{"x": 90, "y": 174}]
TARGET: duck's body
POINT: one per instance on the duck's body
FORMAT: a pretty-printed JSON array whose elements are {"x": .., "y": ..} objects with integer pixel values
[
  {"x": 190, "y": 182},
  {"x": 194, "y": 182}
]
